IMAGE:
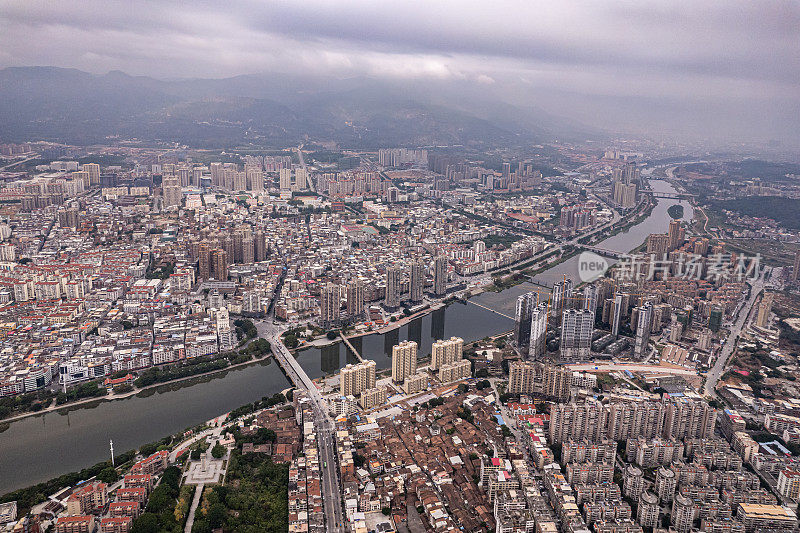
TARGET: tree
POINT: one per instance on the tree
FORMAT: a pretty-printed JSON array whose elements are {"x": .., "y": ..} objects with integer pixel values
[
  {"x": 148, "y": 449},
  {"x": 218, "y": 451},
  {"x": 159, "y": 499},
  {"x": 331, "y": 335},
  {"x": 146, "y": 523},
  {"x": 216, "y": 515},
  {"x": 108, "y": 475},
  {"x": 386, "y": 511},
  {"x": 291, "y": 341},
  {"x": 463, "y": 388}
]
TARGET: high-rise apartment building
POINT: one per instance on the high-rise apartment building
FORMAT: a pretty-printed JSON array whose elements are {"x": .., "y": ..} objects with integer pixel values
[
  {"x": 217, "y": 174},
  {"x": 219, "y": 260},
  {"x": 204, "y": 261},
  {"x": 647, "y": 510},
  {"x": 259, "y": 246},
  {"x": 686, "y": 418},
  {"x": 795, "y": 266},
  {"x": 633, "y": 482},
  {"x": 285, "y": 179},
  {"x": 94, "y": 172},
  {"x": 248, "y": 249},
  {"x": 255, "y": 179},
  {"x": 623, "y": 420},
  {"x": 658, "y": 244},
  {"x": 417, "y": 282},
  {"x": 682, "y": 515},
  {"x": 446, "y": 351},
  {"x": 393, "y": 286},
  {"x": 301, "y": 178},
  {"x": 355, "y": 300},
  {"x": 330, "y": 301},
  {"x": 643, "y": 327},
  {"x": 556, "y": 382},
  {"x": 674, "y": 234},
  {"x": 561, "y": 297},
  {"x": 355, "y": 379},
  {"x": 538, "y": 332},
  {"x": 440, "y": 275},
  {"x": 576, "y": 334},
  {"x": 666, "y": 482},
  {"x": 590, "y": 297},
  {"x": 521, "y": 377},
  {"x": 171, "y": 190},
  {"x": 522, "y": 320},
  {"x": 404, "y": 361}
]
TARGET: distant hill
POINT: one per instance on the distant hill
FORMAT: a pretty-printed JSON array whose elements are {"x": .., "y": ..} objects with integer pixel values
[{"x": 72, "y": 106}]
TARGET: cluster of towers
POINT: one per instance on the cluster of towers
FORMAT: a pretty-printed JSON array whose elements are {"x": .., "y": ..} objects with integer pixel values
[
  {"x": 417, "y": 280},
  {"x": 576, "y": 316}
]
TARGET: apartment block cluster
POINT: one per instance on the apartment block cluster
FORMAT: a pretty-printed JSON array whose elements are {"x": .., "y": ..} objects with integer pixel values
[
  {"x": 427, "y": 459},
  {"x": 95, "y": 507},
  {"x": 625, "y": 184},
  {"x": 685, "y": 311},
  {"x": 676, "y": 470}
]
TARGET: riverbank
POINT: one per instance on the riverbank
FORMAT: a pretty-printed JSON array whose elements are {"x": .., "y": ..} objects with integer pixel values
[{"x": 113, "y": 396}]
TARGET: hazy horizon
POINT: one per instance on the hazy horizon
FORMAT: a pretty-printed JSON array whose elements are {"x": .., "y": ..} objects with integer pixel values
[{"x": 724, "y": 70}]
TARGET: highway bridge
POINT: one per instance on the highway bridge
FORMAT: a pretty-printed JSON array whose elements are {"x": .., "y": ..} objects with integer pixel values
[
  {"x": 672, "y": 195},
  {"x": 614, "y": 254}
]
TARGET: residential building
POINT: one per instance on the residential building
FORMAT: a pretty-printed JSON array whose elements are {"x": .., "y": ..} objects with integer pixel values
[
  {"x": 576, "y": 335},
  {"x": 404, "y": 361},
  {"x": 355, "y": 379}
]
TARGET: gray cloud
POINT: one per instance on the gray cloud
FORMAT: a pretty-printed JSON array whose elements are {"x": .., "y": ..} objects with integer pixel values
[{"x": 739, "y": 51}]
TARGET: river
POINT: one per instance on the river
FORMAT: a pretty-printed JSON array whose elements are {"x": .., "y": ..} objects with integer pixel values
[
  {"x": 38, "y": 448},
  {"x": 624, "y": 241}
]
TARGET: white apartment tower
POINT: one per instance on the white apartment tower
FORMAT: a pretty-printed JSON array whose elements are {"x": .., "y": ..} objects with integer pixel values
[
  {"x": 538, "y": 333},
  {"x": 404, "y": 361},
  {"x": 444, "y": 352},
  {"x": 576, "y": 334},
  {"x": 355, "y": 379}
]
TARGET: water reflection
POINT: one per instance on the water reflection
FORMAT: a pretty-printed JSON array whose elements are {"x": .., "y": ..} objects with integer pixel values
[
  {"x": 437, "y": 323},
  {"x": 329, "y": 358}
]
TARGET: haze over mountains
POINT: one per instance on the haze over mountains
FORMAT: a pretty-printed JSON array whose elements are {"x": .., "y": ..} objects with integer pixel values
[{"x": 72, "y": 106}]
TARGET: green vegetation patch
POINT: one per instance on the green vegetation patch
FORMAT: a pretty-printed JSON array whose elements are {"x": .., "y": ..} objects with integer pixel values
[
  {"x": 675, "y": 211},
  {"x": 785, "y": 211}
]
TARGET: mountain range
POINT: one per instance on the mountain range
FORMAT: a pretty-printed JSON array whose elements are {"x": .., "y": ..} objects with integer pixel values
[{"x": 76, "y": 107}]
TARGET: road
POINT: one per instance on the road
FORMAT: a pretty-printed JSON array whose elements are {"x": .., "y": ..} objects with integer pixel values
[
  {"x": 15, "y": 163},
  {"x": 302, "y": 161},
  {"x": 324, "y": 426},
  {"x": 736, "y": 329}
]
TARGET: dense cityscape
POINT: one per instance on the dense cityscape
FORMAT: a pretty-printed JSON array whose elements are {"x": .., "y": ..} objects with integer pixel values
[
  {"x": 640, "y": 396},
  {"x": 297, "y": 267}
]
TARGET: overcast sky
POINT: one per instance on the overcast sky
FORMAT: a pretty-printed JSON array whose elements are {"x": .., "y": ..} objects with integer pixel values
[{"x": 739, "y": 54}]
